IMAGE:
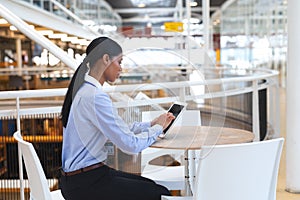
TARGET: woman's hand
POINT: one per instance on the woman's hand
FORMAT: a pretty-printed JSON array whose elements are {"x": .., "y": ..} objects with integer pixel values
[{"x": 164, "y": 120}]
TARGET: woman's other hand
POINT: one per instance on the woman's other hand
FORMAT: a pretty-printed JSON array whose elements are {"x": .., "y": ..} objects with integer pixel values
[{"x": 164, "y": 120}]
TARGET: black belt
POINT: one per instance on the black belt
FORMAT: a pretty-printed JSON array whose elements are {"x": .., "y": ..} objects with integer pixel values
[{"x": 85, "y": 169}]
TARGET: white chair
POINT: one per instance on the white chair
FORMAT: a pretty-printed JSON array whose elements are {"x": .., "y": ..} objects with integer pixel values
[
  {"x": 39, "y": 189},
  {"x": 172, "y": 177},
  {"x": 245, "y": 171}
]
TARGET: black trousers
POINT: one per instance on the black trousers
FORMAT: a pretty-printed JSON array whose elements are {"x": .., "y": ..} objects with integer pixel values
[{"x": 109, "y": 184}]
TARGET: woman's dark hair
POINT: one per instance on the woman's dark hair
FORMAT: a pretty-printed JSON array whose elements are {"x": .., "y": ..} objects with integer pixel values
[{"x": 94, "y": 51}]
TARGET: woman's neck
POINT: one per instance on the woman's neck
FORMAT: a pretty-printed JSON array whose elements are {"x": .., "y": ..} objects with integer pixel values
[{"x": 98, "y": 75}]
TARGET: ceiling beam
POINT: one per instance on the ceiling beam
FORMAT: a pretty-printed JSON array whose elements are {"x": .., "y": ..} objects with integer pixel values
[
  {"x": 146, "y": 20},
  {"x": 145, "y": 10},
  {"x": 160, "y": 10}
]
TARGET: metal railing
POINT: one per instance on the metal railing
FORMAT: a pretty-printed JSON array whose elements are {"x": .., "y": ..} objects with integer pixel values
[{"x": 259, "y": 79}]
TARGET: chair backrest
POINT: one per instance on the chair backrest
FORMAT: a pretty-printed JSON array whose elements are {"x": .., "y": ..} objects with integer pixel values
[
  {"x": 39, "y": 188},
  {"x": 245, "y": 171}
]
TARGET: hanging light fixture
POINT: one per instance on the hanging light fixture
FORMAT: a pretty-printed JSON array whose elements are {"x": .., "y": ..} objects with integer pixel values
[
  {"x": 139, "y": 3},
  {"x": 193, "y": 3}
]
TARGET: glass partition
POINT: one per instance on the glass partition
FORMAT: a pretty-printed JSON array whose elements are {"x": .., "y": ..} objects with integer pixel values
[{"x": 254, "y": 34}]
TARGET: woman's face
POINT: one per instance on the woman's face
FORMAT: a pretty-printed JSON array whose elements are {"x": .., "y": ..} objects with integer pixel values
[{"x": 114, "y": 69}]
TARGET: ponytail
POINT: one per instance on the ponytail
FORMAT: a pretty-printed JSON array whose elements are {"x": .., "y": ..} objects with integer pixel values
[{"x": 76, "y": 82}]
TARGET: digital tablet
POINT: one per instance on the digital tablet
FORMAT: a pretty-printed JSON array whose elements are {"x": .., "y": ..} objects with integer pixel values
[{"x": 177, "y": 108}]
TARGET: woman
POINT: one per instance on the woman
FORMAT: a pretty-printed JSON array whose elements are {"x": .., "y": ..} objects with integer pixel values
[{"x": 89, "y": 120}]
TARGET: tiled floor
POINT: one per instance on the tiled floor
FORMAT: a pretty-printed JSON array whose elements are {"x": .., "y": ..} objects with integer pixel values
[{"x": 281, "y": 193}]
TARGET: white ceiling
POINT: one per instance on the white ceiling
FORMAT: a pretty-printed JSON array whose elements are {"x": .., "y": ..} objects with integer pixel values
[{"x": 157, "y": 11}]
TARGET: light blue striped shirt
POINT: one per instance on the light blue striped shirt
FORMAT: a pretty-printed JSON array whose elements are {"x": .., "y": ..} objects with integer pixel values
[{"x": 92, "y": 121}]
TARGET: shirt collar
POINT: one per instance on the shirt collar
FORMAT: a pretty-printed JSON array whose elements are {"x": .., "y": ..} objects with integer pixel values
[{"x": 92, "y": 80}]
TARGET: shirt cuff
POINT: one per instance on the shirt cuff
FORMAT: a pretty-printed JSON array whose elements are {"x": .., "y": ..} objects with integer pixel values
[{"x": 157, "y": 129}]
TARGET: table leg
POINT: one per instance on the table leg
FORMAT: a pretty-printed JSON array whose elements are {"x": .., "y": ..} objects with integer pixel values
[
  {"x": 188, "y": 190},
  {"x": 192, "y": 168}
]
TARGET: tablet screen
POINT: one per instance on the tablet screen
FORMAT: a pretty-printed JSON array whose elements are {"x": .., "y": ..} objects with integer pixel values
[{"x": 175, "y": 110}]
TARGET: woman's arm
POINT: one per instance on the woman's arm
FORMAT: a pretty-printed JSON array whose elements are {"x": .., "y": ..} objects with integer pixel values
[{"x": 116, "y": 130}]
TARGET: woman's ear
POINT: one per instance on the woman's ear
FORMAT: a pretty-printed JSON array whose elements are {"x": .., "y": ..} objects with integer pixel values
[{"x": 105, "y": 59}]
